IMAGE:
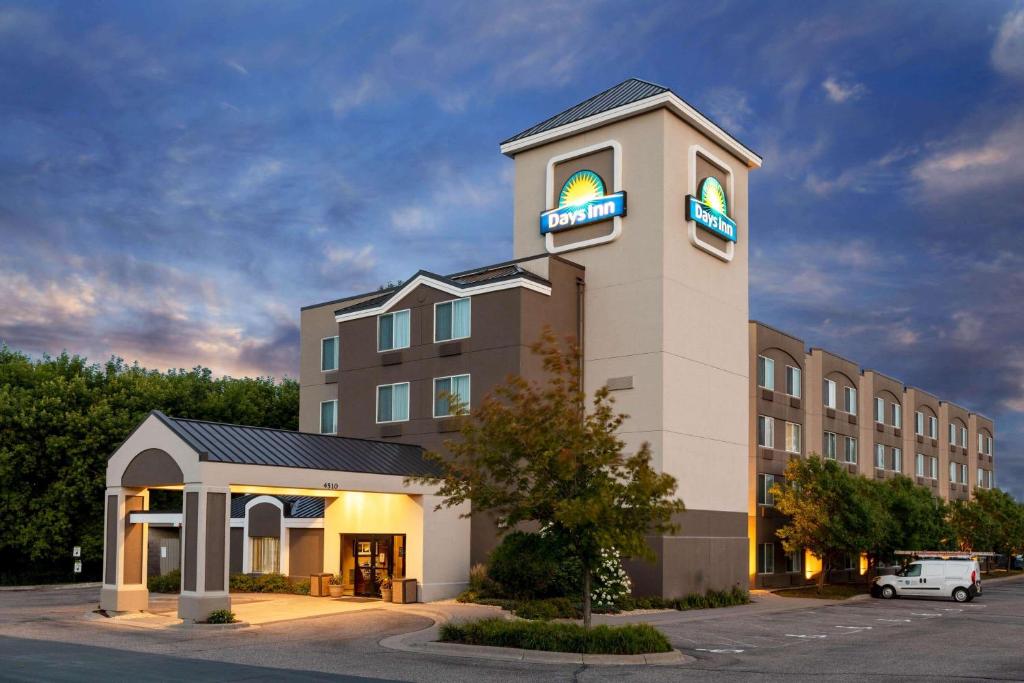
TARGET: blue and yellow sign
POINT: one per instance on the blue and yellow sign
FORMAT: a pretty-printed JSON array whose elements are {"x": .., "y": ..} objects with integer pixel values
[
  {"x": 711, "y": 210},
  {"x": 582, "y": 201}
]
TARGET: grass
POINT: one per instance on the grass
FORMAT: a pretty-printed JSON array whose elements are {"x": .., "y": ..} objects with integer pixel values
[
  {"x": 632, "y": 639},
  {"x": 828, "y": 592}
]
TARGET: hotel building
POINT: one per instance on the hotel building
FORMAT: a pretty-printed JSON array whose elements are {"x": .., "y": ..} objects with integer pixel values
[{"x": 630, "y": 233}]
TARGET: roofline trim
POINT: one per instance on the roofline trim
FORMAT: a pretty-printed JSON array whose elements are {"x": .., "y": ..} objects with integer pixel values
[
  {"x": 668, "y": 100},
  {"x": 445, "y": 287}
]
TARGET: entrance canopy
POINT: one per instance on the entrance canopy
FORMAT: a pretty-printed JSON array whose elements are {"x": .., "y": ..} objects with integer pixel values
[{"x": 362, "y": 484}]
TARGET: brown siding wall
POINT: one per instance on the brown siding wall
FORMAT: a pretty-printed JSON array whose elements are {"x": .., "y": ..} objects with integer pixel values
[
  {"x": 216, "y": 545},
  {"x": 235, "y": 557},
  {"x": 305, "y": 552},
  {"x": 110, "y": 555},
  {"x": 189, "y": 566},
  {"x": 133, "y": 548},
  {"x": 265, "y": 520}
]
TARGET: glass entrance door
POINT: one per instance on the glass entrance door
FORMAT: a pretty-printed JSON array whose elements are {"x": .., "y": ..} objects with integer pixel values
[{"x": 375, "y": 559}]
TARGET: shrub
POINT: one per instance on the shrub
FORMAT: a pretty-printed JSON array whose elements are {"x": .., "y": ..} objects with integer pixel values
[
  {"x": 266, "y": 583},
  {"x": 241, "y": 583},
  {"x": 552, "y": 608},
  {"x": 525, "y": 565},
  {"x": 480, "y": 581},
  {"x": 221, "y": 616},
  {"x": 168, "y": 583},
  {"x": 611, "y": 582},
  {"x": 631, "y": 639},
  {"x": 708, "y": 600}
]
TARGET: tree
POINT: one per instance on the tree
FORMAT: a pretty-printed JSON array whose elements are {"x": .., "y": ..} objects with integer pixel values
[
  {"x": 549, "y": 454},
  {"x": 915, "y": 519},
  {"x": 830, "y": 511},
  {"x": 1007, "y": 521}
]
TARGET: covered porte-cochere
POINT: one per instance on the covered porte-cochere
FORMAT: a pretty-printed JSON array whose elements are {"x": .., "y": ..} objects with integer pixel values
[{"x": 367, "y": 506}]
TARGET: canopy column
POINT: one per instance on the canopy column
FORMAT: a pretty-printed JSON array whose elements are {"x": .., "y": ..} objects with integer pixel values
[
  {"x": 206, "y": 516},
  {"x": 124, "y": 551}
]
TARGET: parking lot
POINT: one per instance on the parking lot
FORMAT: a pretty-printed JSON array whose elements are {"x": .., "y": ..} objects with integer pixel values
[{"x": 44, "y": 636}]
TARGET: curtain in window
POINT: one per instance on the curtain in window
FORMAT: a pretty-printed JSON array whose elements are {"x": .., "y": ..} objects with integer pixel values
[
  {"x": 443, "y": 322},
  {"x": 400, "y": 402},
  {"x": 401, "y": 329},
  {"x": 460, "y": 318},
  {"x": 329, "y": 356},
  {"x": 265, "y": 555},
  {"x": 327, "y": 409},
  {"x": 384, "y": 413},
  {"x": 385, "y": 332}
]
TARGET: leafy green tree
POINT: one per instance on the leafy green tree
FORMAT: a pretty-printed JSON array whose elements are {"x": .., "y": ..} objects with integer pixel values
[
  {"x": 914, "y": 518},
  {"x": 831, "y": 512},
  {"x": 1007, "y": 519},
  {"x": 549, "y": 454},
  {"x": 972, "y": 526},
  {"x": 61, "y": 418}
]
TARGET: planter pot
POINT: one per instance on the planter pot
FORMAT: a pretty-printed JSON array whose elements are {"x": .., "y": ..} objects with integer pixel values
[
  {"x": 385, "y": 594},
  {"x": 335, "y": 591}
]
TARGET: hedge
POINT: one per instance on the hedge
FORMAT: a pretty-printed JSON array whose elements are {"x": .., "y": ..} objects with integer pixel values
[{"x": 631, "y": 639}]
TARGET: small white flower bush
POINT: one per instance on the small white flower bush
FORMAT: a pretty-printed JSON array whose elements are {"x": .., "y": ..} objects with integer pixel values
[{"x": 610, "y": 581}]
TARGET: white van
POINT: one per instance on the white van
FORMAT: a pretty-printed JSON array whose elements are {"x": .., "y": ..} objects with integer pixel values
[{"x": 958, "y": 579}]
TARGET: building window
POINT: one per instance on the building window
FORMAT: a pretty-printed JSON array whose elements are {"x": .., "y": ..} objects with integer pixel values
[
  {"x": 329, "y": 417},
  {"x": 981, "y": 443},
  {"x": 794, "y": 562},
  {"x": 879, "y": 409},
  {"x": 851, "y": 450},
  {"x": 794, "y": 437},
  {"x": 829, "y": 394},
  {"x": 897, "y": 460},
  {"x": 988, "y": 445},
  {"x": 393, "y": 331},
  {"x": 919, "y": 468},
  {"x": 766, "y": 558},
  {"x": 766, "y": 373},
  {"x": 963, "y": 437},
  {"x": 328, "y": 354},
  {"x": 451, "y": 320},
  {"x": 879, "y": 456},
  {"x": 265, "y": 554},
  {"x": 793, "y": 381},
  {"x": 935, "y": 467},
  {"x": 933, "y": 427},
  {"x": 765, "y": 431},
  {"x": 952, "y": 434},
  {"x": 829, "y": 445},
  {"x": 850, "y": 400},
  {"x": 952, "y": 473},
  {"x": 764, "y": 489},
  {"x": 851, "y": 561},
  {"x": 897, "y": 415},
  {"x": 451, "y": 395},
  {"x": 963, "y": 473},
  {"x": 919, "y": 423},
  {"x": 393, "y": 402}
]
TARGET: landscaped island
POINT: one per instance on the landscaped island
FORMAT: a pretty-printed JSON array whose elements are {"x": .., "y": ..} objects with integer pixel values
[{"x": 631, "y": 639}]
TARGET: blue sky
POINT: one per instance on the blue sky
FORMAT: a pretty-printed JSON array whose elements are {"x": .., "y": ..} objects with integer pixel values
[{"x": 176, "y": 180}]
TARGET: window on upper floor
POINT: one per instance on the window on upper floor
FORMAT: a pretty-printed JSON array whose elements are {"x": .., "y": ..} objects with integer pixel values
[
  {"x": 393, "y": 330},
  {"x": 879, "y": 409},
  {"x": 952, "y": 434},
  {"x": 933, "y": 427},
  {"x": 981, "y": 477},
  {"x": 850, "y": 450},
  {"x": 879, "y": 456},
  {"x": 963, "y": 437},
  {"x": 919, "y": 468},
  {"x": 952, "y": 472},
  {"x": 897, "y": 415},
  {"x": 897, "y": 460},
  {"x": 451, "y": 395},
  {"x": 766, "y": 373},
  {"x": 963, "y": 473},
  {"x": 919, "y": 423},
  {"x": 935, "y": 467},
  {"x": 850, "y": 400},
  {"x": 793, "y": 381},
  {"x": 829, "y": 445},
  {"x": 451, "y": 320},
  {"x": 765, "y": 482},
  {"x": 329, "y": 417},
  {"x": 765, "y": 431},
  {"x": 393, "y": 402},
  {"x": 794, "y": 437},
  {"x": 328, "y": 354},
  {"x": 829, "y": 394}
]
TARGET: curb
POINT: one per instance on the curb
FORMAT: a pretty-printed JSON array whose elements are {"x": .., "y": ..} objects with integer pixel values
[{"x": 52, "y": 586}]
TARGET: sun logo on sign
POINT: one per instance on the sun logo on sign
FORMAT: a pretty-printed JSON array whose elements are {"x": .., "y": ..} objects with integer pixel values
[
  {"x": 713, "y": 194},
  {"x": 580, "y": 188}
]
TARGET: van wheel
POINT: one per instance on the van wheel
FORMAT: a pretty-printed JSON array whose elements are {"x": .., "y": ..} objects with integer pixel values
[
  {"x": 888, "y": 592},
  {"x": 961, "y": 595}
]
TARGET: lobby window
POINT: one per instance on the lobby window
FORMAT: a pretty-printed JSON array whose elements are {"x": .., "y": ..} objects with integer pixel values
[
  {"x": 952, "y": 472},
  {"x": 879, "y": 409},
  {"x": 919, "y": 467},
  {"x": 765, "y": 482},
  {"x": 829, "y": 445},
  {"x": 919, "y": 423},
  {"x": 879, "y": 456},
  {"x": 851, "y": 450},
  {"x": 933, "y": 427},
  {"x": 952, "y": 434},
  {"x": 963, "y": 473},
  {"x": 897, "y": 415},
  {"x": 329, "y": 417},
  {"x": 794, "y": 562},
  {"x": 935, "y": 467},
  {"x": 451, "y": 320},
  {"x": 265, "y": 554},
  {"x": 829, "y": 394},
  {"x": 451, "y": 395},
  {"x": 897, "y": 460},
  {"x": 328, "y": 354},
  {"x": 794, "y": 437},
  {"x": 765, "y": 431},
  {"x": 393, "y": 331},
  {"x": 393, "y": 402},
  {"x": 766, "y": 373},
  {"x": 766, "y": 558},
  {"x": 850, "y": 400},
  {"x": 793, "y": 381}
]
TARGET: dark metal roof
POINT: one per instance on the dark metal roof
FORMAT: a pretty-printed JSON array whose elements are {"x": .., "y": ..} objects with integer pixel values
[
  {"x": 463, "y": 280},
  {"x": 241, "y": 445},
  {"x": 629, "y": 91},
  {"x": 295, "y": 507}
]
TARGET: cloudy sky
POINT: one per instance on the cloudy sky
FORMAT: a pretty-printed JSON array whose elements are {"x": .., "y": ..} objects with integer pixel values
[{"x": 176, "y": 180}]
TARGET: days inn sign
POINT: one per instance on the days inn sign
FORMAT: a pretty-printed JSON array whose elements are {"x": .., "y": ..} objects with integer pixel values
[
  {"x": 582, "y": 201},
  {"x": 710, "y": 211}
]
